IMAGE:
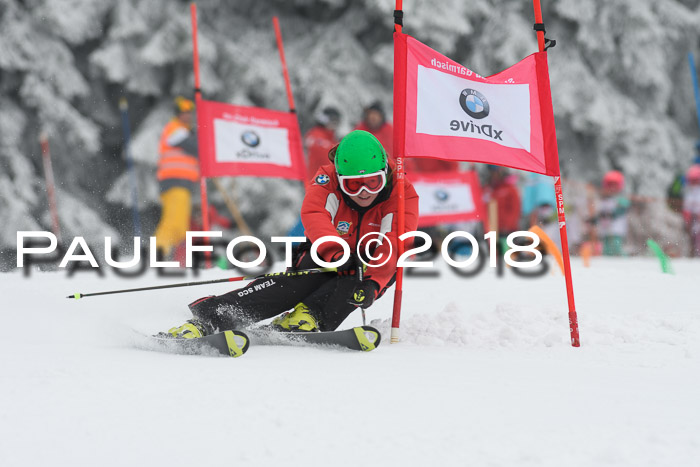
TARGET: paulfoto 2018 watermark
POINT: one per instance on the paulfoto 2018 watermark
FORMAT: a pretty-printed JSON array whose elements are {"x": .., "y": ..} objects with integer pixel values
[{"x": 374, "y": 249}]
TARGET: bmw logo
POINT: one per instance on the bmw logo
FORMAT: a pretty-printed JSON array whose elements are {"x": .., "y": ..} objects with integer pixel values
[
  {"x": 250, "y": 139},
  {"x": 474, "y": 103},
  {"x": 322, "y": 179},
  {"x": 441, "y": 195}
]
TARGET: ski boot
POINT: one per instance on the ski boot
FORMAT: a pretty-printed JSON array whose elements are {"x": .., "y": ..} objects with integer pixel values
[
  {"x": 192, "y": 329},
  {"x": 281, "y": 322},
  {"x": 301, "y": 319}
]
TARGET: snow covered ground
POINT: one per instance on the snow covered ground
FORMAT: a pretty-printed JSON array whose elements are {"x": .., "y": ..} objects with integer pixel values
[{"x": 484, "y": 376}]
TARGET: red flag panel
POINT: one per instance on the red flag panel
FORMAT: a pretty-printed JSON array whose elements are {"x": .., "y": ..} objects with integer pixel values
[
  {"x": 251, "y": 141},
  {"x": 448, "y": 198},
  {"x": 453, "y": 113}
]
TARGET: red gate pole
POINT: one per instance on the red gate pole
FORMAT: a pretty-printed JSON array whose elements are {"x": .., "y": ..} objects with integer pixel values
[
  {"x": 50, "y": 184},
  {"x": 573, "y": 319},
  {"x": 287, "y": 83},
  {"x": 285, "y": 71},
  {"x": 198, "y": 99},
  {"x": 399, "y": 151}
]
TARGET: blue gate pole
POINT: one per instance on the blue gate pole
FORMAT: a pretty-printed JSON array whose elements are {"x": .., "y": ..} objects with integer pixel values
[{"x": 694, "y": 75}]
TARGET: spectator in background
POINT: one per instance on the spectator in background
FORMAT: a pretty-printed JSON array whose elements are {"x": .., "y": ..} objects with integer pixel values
[
  {"x": 178, "y": 174},
  {"x": 374, "y": 121},
  {"x": 538, "y": 205},
  {"x": 691, "y": 208},
  {"x": 502, "y": 190},
  {"x": 674, "y": 193},
  {"x": 320, "y": 139},
  {"x": 612, "y": 213}
]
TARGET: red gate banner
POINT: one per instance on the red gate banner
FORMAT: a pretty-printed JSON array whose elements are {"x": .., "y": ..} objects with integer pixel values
[
  {"x": 251, "y": 141},
  {"x": 453, "y": 113},
  {"x": 446, "y": 111},
  {"x": 448, "y": 198}
]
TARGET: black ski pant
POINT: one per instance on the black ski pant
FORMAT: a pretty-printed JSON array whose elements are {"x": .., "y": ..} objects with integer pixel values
[{"x": 326, "y": 295}]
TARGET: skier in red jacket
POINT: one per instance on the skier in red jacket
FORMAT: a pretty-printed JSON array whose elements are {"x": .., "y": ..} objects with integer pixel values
[{"x": 352, "y": 199}]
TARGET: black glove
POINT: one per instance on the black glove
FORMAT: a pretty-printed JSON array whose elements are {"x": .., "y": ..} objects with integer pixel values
[
  {"x": 364, "y": 294},
  {"x": 350, "y": 266}
]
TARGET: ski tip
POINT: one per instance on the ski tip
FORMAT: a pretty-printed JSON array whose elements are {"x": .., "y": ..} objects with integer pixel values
[
  {"x": 368, "y": 337},
  {"x": 75, "y": 295},
  {"x": 237, "y": 343}
]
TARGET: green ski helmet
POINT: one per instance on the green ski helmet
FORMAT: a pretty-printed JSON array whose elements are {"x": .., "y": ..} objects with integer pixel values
[{"x": 359, "y": 153}]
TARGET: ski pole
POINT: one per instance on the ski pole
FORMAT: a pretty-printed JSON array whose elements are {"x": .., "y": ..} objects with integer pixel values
[
  {"x": 360, "y": 273},
  {"x": 215, "y": 281}
]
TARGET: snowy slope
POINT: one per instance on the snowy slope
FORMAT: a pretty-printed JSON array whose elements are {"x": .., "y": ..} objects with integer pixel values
[{"x": 484, "y": 376}]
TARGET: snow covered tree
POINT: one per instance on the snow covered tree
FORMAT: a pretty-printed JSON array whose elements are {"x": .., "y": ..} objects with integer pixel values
[{"x": 621, "y": 88}]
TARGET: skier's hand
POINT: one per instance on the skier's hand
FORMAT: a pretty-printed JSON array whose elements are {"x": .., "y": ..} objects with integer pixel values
[
  {"x": 350, "y": 266},
  {"x": 364, "y": 294}
]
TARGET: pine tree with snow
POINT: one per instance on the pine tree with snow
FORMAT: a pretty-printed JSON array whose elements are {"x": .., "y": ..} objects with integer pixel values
[{"x": 621, "y": 88}]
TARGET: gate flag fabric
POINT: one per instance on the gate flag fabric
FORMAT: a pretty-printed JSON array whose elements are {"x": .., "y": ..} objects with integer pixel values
[
  {"x": 249, "y": 141},
  {"x": 446, "y": 111},
  {"x": 448, "y": 198},
  {"x": 453, "y": 113}
]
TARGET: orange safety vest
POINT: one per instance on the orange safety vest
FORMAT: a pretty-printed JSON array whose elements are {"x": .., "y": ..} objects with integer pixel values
[{"x": 173, "y": 161}]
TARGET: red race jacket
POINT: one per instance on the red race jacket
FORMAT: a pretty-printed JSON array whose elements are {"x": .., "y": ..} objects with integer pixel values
[
  {"x": 508, "y": 199},
  {"x": 325, "y": 213}
]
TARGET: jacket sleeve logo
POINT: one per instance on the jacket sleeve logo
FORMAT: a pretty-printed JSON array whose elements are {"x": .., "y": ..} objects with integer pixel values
[
  {"x": 322, "y": 179},
  {"x": 343, "y": 227}
]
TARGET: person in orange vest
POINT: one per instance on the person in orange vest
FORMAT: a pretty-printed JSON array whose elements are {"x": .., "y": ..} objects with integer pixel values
[
  {"x": 374, "y": 121},
  {"x": 319, "y": 140},
  {"x": 178, "y": 174}
]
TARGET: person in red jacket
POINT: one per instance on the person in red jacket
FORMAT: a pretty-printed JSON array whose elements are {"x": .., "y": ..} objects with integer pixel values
[
  {"x": 374, "y": 121},
  {"x": 503, "y": 191},
  {"x": 352, "y": 199},
  {"x": 320, "y": 139}
]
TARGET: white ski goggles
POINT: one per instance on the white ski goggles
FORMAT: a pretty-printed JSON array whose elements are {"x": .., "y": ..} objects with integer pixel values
[{"x": 372, "y": 183}]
